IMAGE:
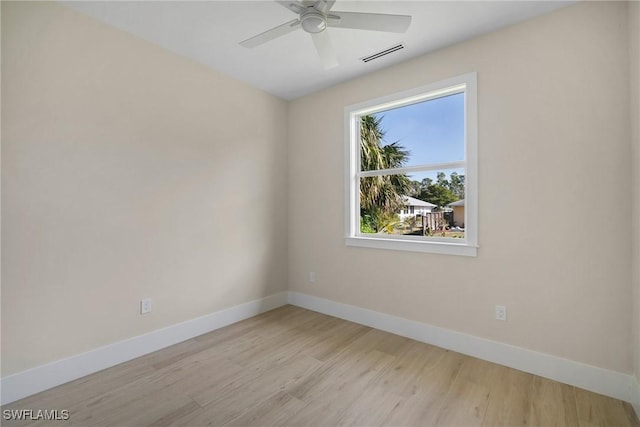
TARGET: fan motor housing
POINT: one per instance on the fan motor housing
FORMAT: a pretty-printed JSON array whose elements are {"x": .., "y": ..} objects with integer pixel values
[{"x": 313, "y": 22}]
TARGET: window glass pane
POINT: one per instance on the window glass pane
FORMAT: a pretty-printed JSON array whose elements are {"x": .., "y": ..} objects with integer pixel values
[
  {"x": 427, "y": 132},
  {"x": 419, "y": 204}
]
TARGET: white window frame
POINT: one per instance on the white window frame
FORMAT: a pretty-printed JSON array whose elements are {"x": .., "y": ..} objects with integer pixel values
[{"x": 467, "y": 246}]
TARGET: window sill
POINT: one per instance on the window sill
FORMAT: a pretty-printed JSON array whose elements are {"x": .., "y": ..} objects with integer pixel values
[{"x": 445, "y": 248}]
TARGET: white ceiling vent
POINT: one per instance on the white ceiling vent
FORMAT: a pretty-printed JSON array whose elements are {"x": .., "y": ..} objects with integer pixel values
[{"x": 383, "y": 53}]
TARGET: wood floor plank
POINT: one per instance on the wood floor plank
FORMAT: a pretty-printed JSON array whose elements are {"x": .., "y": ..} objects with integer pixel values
[
  {"x": 274, "y": 411},
  {"x": 467, "y": 399},
  {"x": 415, "y": 410},
  {"x": 631, "y": 414},
  {"x": 331, "y": 390},
  {"x": 390, "y": 343},
  {"x": 292, "y": 366},
  {"x": 435, "y": 377},
  {"x": 213, "y": 415},
  {"x": 170, "y": 417},
  {"x": 177, "y": 379},
  {"x": 232, "y": 400},
  {"x": 417, "y": 367},
  {"x": 160, "y": 408},
  {"x": 598, "y": 410},
  {"x": 509, "y": 391},
  {"x": 332, "y": 343},
  {"x": 320, "y": 413},
  {"x": 340, "y": 376},
  {"x": 85, "y": 388},
  {"x": 552, "y": 404},
  {"x": 175, "y": 353},
  {"x": 264, "y": 382},
  {"x": 371, "y": 408},
  {"x": 375, "y": 339},
  {"x": 268, "y": 324},
  {"x": 509, "y": 399},
  {"x": 277, "y": 350},
  {"x": 464, "y": 405}
]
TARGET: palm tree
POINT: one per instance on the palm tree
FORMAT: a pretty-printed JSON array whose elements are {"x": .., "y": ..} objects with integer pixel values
[{"x": 380, "y": 196}]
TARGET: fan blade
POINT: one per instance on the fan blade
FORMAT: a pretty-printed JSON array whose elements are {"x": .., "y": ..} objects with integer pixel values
[
  {"x": 370, "y": 21},
  {"x": 271, "y": 34},
  {"x": 293, "y": 6},
  {"x": 325, "y": 49}
]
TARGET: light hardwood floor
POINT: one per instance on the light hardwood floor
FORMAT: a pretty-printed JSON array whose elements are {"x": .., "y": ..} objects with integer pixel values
[{"x": 295, "y": 367}]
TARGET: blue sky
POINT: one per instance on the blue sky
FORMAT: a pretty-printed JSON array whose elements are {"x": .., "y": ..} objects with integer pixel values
[{"x": 432, "y": 131}]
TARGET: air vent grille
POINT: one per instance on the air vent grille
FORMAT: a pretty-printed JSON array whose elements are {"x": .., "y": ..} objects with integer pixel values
[{"x": 383, "y": 53}]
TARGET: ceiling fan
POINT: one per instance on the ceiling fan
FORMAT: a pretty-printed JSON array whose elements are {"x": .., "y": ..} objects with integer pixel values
[{"x": 315, "y": 16}]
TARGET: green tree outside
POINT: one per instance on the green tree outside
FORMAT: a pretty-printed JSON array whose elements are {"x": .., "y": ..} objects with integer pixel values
[{"x": 380, "y": 196}]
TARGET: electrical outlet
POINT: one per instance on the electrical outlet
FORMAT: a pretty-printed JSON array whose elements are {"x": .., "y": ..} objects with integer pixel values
[
  {"x": 312, "y": 277},
  {"x": 145, "y": 306},
  {"x": 501, "y": 312}
]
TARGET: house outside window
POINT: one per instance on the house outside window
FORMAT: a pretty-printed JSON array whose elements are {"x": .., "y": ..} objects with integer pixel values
[{"x": 412, "y": 170}]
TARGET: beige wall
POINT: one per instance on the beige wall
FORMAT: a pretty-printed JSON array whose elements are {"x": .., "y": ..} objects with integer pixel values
[
  {"x": 127, "y": 172},
  {"x": 553, "y": 134},
  {"x": 634, "y": 73}
]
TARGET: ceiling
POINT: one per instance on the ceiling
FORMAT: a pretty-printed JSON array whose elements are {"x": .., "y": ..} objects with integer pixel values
[{"x": 209, "y": 31}]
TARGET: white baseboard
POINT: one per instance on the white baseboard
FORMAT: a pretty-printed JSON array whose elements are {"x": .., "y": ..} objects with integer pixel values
[
  {"x": 26, "y": 383},
  {"x": 603, "y": 381}
]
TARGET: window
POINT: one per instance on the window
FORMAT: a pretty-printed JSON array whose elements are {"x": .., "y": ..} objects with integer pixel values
[{"x": 411, "y": 178}]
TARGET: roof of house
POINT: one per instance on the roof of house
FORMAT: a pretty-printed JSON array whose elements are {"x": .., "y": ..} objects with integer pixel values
[
  {"x": 410, "y": 201},
  {"x": 458, "y": 203}
]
